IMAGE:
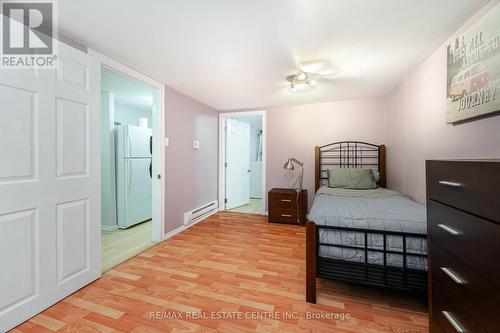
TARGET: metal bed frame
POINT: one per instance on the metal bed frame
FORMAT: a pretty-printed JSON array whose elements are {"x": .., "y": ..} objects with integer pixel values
[{"x": 355, "y": 154}]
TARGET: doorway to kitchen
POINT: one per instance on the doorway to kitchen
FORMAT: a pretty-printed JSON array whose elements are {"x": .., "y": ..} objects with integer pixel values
[{"x": 127, "y": 166}]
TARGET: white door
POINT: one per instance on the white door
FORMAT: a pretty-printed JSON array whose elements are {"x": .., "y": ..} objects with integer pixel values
[
  {"x": 237, "y": 163},
  {"x": 49, "y": 184}
]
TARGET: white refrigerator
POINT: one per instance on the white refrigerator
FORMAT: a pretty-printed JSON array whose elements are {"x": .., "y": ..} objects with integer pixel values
[{"x": 133, "y": 175}]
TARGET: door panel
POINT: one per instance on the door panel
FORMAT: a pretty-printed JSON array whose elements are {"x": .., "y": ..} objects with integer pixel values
[
  {"x": 72, "y": 138},
  {"x": 17, "y": 231},
  {"x": 19, "y": 115},
  {"x": 49, "y": 184},
  {"x": 238, "y": 163},
  {"x": 73, "y": 73},
  {"x": 72, "y": 239}
]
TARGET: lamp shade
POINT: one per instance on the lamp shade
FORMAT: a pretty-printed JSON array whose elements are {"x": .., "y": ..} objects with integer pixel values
[{"x": 289, "y": 165}]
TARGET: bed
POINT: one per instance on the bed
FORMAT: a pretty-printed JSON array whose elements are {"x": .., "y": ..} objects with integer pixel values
[{"x": 375, "y": 237}]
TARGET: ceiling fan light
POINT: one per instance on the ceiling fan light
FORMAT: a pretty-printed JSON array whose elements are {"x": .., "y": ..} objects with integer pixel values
[
  {"x": 301, "y": 81},
  {"x": 299, "y": 86}
]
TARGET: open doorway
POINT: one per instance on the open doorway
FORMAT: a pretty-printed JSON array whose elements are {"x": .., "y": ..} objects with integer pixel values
[
  {"x": 127, "y": 132},
  {"x": 242, "y": 165}
]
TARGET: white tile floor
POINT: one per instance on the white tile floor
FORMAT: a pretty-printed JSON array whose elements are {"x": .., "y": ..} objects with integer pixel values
[
  {"x": 123, "y": 244},
  {"x": 254, "y": 207}
]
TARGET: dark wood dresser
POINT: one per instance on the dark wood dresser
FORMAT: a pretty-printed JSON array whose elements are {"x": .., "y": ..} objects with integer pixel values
[
  {"x": 463, "y": 224},
  {"x": 287, "y": 206}
]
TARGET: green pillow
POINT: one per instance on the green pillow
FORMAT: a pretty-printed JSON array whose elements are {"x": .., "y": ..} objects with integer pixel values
[{"x": 353, "y": 178}]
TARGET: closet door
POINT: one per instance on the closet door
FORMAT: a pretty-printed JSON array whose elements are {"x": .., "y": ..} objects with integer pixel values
[{"x": 49, "y": 184}]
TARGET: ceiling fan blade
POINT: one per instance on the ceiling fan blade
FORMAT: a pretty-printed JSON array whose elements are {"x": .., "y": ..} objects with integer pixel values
[
  {"x": 314, "y": 67},
  {"x": 326, "y": 77}
]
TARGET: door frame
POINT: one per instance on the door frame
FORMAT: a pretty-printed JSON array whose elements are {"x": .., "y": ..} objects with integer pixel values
[
  {"x": 222, "y": 155},
  {"x": 158, "y": 201}
]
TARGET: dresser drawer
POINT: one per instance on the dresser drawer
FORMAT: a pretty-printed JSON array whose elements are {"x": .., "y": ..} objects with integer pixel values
[
  {"x": 476, "y": 296},
  {"x": 475, "y": 241},
  {"x": 435, "y": 328},
  {"x": 471, "y": 186},
  {"x": 285, "y": 200},
  {"x": 283, "y": 215},
  {"x": 449, "y": 314}
]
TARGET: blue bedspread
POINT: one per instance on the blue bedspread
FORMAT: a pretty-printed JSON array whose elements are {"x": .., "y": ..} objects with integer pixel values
[{"x": 377, "y": 209}]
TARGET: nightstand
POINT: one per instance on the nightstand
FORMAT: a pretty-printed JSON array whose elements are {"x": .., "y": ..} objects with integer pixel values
[{"x": 287, "y": 206}]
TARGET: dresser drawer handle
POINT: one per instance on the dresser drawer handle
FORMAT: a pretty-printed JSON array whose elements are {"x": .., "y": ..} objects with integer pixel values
[
  {"x": 449, "y": 229},
  {"x": 286, "y": 200},
  {"x": 451, "y": 184},
  {"x": 453, "y": 321},
  {"x": 286, "y": 215},
  {"x": 452, "y": 275}
]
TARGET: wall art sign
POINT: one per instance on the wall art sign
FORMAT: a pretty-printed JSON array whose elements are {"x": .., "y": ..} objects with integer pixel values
[{"x": 473, "y": 86}]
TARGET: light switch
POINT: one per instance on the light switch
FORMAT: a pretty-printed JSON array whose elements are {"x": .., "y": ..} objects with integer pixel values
[
  {"x": 166, "y": 142},
  {"x": 196, "y": 144}
]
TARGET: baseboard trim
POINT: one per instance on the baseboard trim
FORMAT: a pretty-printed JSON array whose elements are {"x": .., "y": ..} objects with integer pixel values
[
  {"x": 109, "y": 227},
  {"x": 180, "y": 229}
]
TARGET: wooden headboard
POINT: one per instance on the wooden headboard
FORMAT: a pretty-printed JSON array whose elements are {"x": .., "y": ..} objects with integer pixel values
[{"x": 349, "y": 154}]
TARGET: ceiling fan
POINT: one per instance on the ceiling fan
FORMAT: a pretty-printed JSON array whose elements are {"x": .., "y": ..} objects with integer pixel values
[{"x": 309, "y": 73}]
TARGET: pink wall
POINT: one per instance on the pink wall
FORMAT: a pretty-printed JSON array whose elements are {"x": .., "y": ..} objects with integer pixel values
[
  {"x": 191, "y": 175},
  {"x": 416, "y": 129},
  {"x": 296, "y": 130}
]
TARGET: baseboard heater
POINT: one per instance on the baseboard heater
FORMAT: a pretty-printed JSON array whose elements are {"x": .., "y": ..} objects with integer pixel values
[{"x": 200, "y": 213}]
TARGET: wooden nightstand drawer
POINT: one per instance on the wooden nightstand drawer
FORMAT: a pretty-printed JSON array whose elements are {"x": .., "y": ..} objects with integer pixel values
[
  {"x": 290, "y": 200},
  {"x": 283, "y": 215},
  {"x": 287, "y": 206}
]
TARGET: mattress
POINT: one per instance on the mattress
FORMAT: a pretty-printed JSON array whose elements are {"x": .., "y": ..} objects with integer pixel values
[{"x": 376, "y": 209}]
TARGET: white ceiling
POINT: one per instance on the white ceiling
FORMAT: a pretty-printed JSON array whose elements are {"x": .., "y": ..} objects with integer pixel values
[
  {"x": 235, "y": 54},
  {"x": 127, "y": 91}
]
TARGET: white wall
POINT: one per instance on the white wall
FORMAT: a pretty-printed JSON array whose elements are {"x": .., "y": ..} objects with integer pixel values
[
  {"x": 127, "y": 115},
  {"x": 416, "y": 129}
]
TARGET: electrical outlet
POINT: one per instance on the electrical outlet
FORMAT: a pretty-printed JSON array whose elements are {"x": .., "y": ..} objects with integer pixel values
[{"x": 196, "y": 144}]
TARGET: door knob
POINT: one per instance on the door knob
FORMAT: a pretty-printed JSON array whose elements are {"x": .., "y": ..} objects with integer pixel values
[
  {"x": 158, "y": 176},
  {"x": 249, "y": 171}
]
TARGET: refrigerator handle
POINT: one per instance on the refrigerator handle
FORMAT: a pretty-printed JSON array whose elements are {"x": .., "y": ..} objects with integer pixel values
[
  {"x": 151, "y": 152},
  {"x": 129, "y": 173},
  {"x": 129, "y": 146}
]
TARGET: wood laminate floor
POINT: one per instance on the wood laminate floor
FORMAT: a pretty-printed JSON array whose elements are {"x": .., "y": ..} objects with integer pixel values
[
  {"x": 122, "y": 244},
  {"x": 233, "y": 266}
]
